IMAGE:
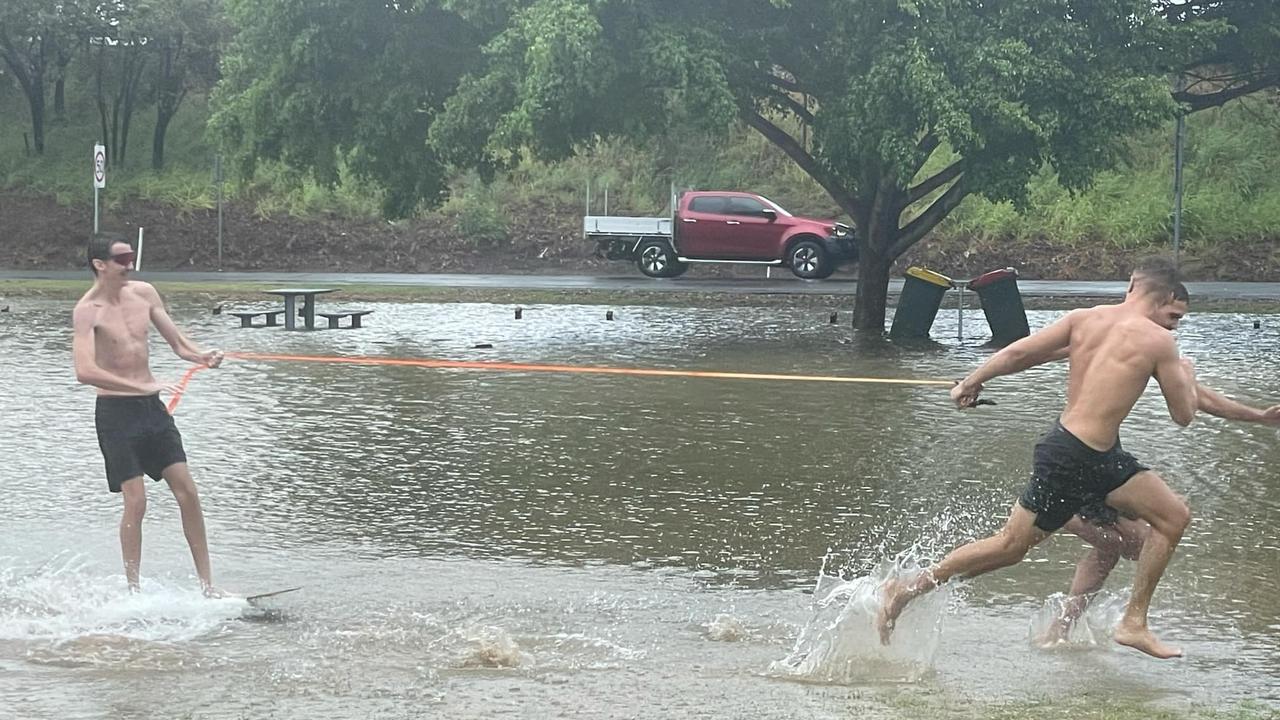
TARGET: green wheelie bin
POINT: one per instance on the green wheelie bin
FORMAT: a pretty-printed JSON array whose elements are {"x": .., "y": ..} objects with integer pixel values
[
  {"x": 1002, "y": 304},
  {"x": 922, "y": 293}
]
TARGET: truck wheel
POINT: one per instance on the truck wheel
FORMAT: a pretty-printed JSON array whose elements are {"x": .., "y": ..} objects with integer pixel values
[
  {"x": 809, "y": 260},
  {"x": 655, "y": 259}
]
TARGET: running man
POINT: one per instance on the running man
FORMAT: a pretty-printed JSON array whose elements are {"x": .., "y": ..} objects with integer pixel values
[
  {"x": 1113, "y": 351},
  {"x": 136, "y": 434},
  {"x": 1114, "y": 536}
]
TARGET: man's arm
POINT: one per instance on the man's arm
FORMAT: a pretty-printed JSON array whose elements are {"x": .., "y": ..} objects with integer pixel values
[
  {"x": 86, "y": 362},
  {"x": 1177, "y": 380},
  {"x": 1214, "y": 403},
  {"x": 1045, "y": 345},
  {"x": 181, "y": 344}
]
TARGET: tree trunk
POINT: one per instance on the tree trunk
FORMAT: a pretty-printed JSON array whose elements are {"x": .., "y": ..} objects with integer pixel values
[
  {"x": 127, "y": 116},
  {"x": 157, "y": 139},
  {"x": 873, "y": 289},
  {"x": 36, "y": 100},
  {"x": 60, "y": 101}
]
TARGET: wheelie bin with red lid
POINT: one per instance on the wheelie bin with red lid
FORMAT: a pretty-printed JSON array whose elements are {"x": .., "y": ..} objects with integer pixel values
[{"x": 1002, "y": 304}]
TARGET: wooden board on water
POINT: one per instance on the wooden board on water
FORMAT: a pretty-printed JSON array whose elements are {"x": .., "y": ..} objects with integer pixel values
[{"x": 262, "y": 596}]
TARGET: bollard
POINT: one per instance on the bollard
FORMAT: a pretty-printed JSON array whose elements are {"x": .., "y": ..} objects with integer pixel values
[
  {"x": 519, "y": 312},
  {"x": 921, "y": 297},
  {"x": 1002, "y": 304}
]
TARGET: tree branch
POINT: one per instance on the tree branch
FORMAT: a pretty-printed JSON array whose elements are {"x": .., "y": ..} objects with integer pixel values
[
  {"x": 794, "y": 106},
  {"x": 1202, "y": 101},
  {"x": 788, "y": 84},
  {"x": 927, "y": 145},
  {"x": 927, "y": 220},
  {"x": 801, "y": 157},
  {"x": 946, "y": 175}
]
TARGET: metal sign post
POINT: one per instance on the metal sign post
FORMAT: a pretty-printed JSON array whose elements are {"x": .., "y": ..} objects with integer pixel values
[
  {"x": 217, "y": 179},
  {"x": 99, "y": 179}
]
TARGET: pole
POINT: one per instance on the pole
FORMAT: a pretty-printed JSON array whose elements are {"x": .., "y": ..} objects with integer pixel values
[
  {"x": 95, "y": 209},
  {"x": 137, "y": 261},
  {"x": 960, "y": 313},
  {"x": 217, "y": 177},
  {"x": 1178, "y": 137}
]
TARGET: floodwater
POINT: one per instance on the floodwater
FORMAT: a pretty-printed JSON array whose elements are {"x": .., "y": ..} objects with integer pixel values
[{"x": 519, "y": 544}]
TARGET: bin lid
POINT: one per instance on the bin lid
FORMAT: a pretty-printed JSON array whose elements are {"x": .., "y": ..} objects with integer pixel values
[
  {"x": 930, "y": 276},
  {"x": 993, "y": 277}
]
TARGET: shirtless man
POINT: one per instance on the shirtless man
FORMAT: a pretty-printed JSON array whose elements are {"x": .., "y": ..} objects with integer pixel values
[
  {"x": 1114, "y": 536},
  {"x": 1113, "y": 350},
  {"x": 135, "y": 432}
]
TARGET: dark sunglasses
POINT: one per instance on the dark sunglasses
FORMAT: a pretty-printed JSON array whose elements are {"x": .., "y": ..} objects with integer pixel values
[{"x": 125, "y": 258}]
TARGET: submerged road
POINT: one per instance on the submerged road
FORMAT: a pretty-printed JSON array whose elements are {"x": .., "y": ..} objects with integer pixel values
[{"x": 782, "y": 285}]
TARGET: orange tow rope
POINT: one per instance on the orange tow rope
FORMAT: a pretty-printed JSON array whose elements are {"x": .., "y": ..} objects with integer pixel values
[
  {"x": 493, "y": 366},
  {"x": 182, "y": 386}
]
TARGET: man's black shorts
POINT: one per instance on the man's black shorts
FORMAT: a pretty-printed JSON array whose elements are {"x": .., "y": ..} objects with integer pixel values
[
  {"x": 1069, "y": 476},
  {"x": 137, "y": 436}
]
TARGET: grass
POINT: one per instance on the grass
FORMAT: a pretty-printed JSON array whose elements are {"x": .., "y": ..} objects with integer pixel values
[{"x": 215, "y": 293}]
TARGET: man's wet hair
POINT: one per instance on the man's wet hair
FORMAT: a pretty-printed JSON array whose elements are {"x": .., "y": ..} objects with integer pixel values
[
  {"x": 1159, "y": 275},
  {"x": 100, "y": 247}
]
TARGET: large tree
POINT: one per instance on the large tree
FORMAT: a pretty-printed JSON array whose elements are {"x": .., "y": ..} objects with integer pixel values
[
  {"x": 910, "y": 105},
  {"x": 35, "y": 36},
  {"x": 185, "y": 37},
  {"x": 323, "y": 83}
]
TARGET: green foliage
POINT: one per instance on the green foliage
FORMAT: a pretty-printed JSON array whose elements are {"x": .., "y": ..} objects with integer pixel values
[
  {"x": 1232, "y": 179},
  {"x": 478, "y": 216},
  {"x": 316, "y": 83}
]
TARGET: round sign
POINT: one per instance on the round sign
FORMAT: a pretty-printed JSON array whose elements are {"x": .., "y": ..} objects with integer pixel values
[{"x": 99, "y": 166}]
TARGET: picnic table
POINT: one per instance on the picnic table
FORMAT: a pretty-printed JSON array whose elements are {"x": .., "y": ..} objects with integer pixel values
[{"x": 291, "y": 296}]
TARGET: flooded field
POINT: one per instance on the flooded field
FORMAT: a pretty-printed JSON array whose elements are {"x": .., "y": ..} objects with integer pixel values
[{"x": 552, "y": 544}]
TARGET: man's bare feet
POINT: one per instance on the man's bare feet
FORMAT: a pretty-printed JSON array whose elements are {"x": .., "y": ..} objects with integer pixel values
[
  {"x": 1140, "y": 638},
  {"x": 214, "y": 593},
  {"x": 895, "y": 596}
]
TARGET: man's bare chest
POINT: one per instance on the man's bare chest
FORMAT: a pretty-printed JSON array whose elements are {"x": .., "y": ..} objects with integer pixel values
[{"x": 124, "y": 324}]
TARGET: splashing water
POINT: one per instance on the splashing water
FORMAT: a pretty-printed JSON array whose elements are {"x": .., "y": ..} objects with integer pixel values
[
  {"x": 489, "y": 647},
  {"x": 840, "y": 643},
  {"x": 1091, "y": 629},
  {"x": 62, "y": 604},
  {"x": 725, "y": 628}
]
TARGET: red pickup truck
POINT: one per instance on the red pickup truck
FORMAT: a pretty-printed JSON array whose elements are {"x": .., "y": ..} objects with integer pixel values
[{"x": 723, "y": 227}]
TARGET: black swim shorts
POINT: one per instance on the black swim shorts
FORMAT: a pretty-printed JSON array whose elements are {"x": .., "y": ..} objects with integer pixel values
[
  {"x": 137, "y": 436},
  {"x": 1068, "y": 477}
]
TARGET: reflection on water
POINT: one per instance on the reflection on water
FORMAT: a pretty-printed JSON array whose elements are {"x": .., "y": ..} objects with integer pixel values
[{"x": 553, "y": 540}]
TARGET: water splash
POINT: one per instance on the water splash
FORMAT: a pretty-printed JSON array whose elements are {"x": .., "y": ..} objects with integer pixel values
[
  {"x": 840, "y": 644},
  {"x": 725, "y": 628},
  {"x": 1091, "y": 629},
  {"x": 489, "y": 647},
  {"x": 63, "y": 603}
]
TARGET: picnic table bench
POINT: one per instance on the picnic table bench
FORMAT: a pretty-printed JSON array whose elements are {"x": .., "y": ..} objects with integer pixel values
[
  {"x": 247, "y": 317},
  {"x": 335, "y": 317}
]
